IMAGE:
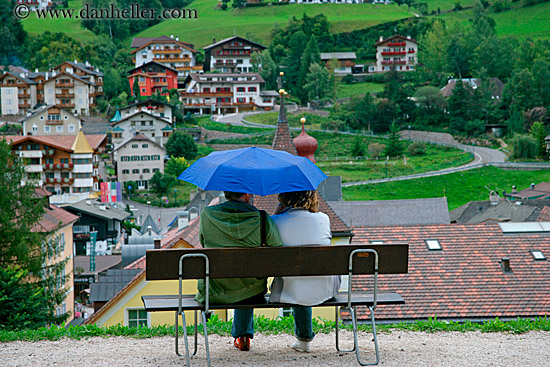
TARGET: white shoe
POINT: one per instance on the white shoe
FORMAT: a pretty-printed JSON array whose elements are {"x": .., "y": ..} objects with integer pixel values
[{"x": 301, "y": 346}]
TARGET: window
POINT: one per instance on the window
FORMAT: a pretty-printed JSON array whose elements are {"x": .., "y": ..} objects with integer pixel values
[
  {"x": 125, "y": 171},
  {"x": 252, "y": 89},
  {"x": 145, "y": 145},
  {"x": 71, "y": 128},
  {"x": 34, "y": 128},
  {"x": 155, "y": 170},
  {"x": 137, "y": 318},
  {"x": 135, "y": 170},
  {"x": 538, "y": 255},
  {"x": 59, "y": 128},
  {"x": 144, "y": 157},
  {"x": 47, "y": 129},
  {"x": 240, "y": 89},
  {"x": 155, "y": 157},
  {"x": 146, "y": 170},
  {"x": 54, "y": 117},
  {"x": 134, "y": 146},
  {"x": 62, "y": 244},
  {"x": 433, "y": 245},
  {"x": 64, "y": 160}
]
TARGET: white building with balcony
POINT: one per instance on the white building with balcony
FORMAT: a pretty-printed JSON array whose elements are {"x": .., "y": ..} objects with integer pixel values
[
  {"x": 143, "y": 122},
  {"x": 166, "y": 50},
  {"x": 51, "y": 120},
  {"x": 395, "y": 53},
  {"x": 226, "y": 93}
]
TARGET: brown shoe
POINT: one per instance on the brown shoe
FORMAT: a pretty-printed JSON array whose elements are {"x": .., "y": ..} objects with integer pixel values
[{"x": 242, "y": 342}]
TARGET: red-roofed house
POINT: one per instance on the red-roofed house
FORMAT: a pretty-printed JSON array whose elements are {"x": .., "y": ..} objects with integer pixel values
[{"x": 465, "y": 271}]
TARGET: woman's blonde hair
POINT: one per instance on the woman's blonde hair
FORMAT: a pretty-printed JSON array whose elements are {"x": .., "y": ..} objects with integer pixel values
[{"x": 301, "y": 200}]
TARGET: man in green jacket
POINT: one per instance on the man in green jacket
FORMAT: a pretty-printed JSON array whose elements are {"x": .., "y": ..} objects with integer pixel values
[{"x": 236, "y": 223}]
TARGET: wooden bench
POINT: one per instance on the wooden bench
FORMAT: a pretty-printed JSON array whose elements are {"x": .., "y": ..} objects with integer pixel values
[{"x": 311, "y": 260}]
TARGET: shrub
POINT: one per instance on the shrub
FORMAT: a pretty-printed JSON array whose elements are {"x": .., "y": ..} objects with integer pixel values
[
  {"x": 348, "y": 79},
  {"x": 524, "y": 147},
  {"x": 416, "y": 148},
  {"x": 375, "y": 149}
]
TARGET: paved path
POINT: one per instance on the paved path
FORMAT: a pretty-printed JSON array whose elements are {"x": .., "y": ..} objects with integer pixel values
[{"x": 166, "y": 215}]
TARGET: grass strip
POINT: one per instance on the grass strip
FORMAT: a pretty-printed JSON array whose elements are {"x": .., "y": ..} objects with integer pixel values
[{"x": 269, "y": 326}]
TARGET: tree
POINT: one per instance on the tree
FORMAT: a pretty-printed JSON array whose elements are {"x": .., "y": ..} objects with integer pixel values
[
  {"x": 175, "y": 166},
  {"x": 310, "y": 56},
  {"x": 136, "y": 92},
  {"x": 538, "y": 132},
  {"x": 520, "y": 92},
  {"x": 359, "y": 147},
  {"x": 394, "y": 147},
  {"x": 12, "y": 33},
  {"x": 431, "y": 105},
  {"x": 112, "y": 86},
  {"x": 181, "y": 144},
  {"x": 160, "y": 183},
  {"x": 319, "y": 84},
  {"x": 25, "y": 252}
]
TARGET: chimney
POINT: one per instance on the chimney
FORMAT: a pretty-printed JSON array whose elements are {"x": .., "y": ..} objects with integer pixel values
[
  {"x": 36, "y": 70},
  {"x": 408, "y": 37},
  {"x": 381, "y": 39},
  {"x": 505, "y": 264},
  {"x": 177, "y": 38},
  {"x": 172, "y": 36},
  {"x": 183, "y": 219},
  {"x": 157, "y": 243},
  {"x": 213, "y": 39},
  {"x": 514, "y": 190},
  {"x": 75, "y": 61}
]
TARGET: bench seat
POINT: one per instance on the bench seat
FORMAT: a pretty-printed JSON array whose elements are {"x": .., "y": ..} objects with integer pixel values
[{"x": 170, "y": 302}]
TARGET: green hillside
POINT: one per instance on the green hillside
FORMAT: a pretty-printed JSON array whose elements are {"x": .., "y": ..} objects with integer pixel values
[
  {"x": 521, "y": 22},
  {"x": 259, "y": 21},
  {"x": 72, "y": 27}
]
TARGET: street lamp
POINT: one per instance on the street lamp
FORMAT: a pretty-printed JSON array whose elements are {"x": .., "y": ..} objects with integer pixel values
[{"x": 409, "y": 132}]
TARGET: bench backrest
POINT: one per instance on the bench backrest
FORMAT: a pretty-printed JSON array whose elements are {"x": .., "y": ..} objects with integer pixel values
[{"x": 238, "y": 262}]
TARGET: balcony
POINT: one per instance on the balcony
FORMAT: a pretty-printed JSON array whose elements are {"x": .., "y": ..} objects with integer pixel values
[
  {"x": 66, "y": 105},
  {"x": 396, "y": 44},
  {"x": 172, "y": 59},
  {"x": 24, "y": 105},
  {"x": 64, "y": 95},
  {"x": 167, "y": 51},
  {"x": 394, "y": 62},
  {"x": 388, "y": 53},
  {"x": 24, "y": 95},
  {"x": 225, "y": 63},
  {"x": 231, "y": 53},
  {"x": 411, "y": 51},
  {"x": 65, "y": 85},
  {"x": 60, "y": 181},
  {"x": 54, "y": 122},
  {"x": 207, "y": 94},
  {"x": 58, "y": 166},
  {"x": 48, "y": 152}
]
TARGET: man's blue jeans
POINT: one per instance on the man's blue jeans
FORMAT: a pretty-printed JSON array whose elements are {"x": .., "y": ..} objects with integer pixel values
[
  {"x": 243, "y": 318},
  {"x": 303, "y": 329}
]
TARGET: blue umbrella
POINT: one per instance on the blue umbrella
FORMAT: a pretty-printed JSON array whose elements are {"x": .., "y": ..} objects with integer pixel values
[{"x": 255, "y": 171}]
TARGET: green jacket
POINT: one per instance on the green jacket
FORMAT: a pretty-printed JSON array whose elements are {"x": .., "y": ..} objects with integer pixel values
[{"x": 234, "y": 224}]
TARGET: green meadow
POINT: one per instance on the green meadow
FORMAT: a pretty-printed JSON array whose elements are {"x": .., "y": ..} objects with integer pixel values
[
  {"x": 72, "y": 27},
  {"x": 258, "y": 22},
  {"x": 459, "y": 188},
  {"x": 349, "y": 90}
]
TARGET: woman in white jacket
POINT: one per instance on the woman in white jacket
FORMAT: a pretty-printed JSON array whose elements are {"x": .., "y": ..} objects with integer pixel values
[{"x": 299, "y": 223}]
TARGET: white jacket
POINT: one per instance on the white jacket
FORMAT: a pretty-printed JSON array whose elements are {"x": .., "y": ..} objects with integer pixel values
[{"x": 299, "y": 227}]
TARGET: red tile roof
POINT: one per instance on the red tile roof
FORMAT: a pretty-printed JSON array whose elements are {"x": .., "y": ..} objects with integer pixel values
[
  {"x": 464, "y": 280},
  {"x": 54, "y": 218},
  {"x": 337, "y": 225},
  {"x": 189, "y": 234},
  {"x": 544, "y": 215},
  {"x": 64, "y": 142}
]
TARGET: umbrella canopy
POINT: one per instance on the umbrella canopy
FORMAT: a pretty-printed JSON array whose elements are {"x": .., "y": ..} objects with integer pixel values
[{"x": 254, "y": 171}]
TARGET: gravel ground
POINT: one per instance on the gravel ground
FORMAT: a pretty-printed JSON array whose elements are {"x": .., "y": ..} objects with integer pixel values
[{"x": 398, "y": 348}]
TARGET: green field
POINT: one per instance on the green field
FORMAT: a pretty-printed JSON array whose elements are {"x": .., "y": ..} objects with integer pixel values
[
  {"x": 459, "y": 188},
  {"x": 259, "y": 21},
  {"x": 348, "y": 90},
  {"x": 521, "y": 22},
  {"x": 445, "y": 5},
  {"x": 72, "y": 27}
]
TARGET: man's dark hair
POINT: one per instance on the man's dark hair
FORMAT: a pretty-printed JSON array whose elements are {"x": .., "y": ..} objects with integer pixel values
[{"x": 230, "y": 195}]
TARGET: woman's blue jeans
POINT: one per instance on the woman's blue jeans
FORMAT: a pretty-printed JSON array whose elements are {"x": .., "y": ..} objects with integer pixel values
[{"x": 303, "y": 329}]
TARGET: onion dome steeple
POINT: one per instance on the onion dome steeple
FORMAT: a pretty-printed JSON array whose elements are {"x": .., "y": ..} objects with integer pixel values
[{"x": 306, "y": 145}]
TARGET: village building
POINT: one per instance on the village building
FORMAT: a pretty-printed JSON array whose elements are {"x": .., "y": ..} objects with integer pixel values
[
  {"x": 51, "y": 120},
  {"x": 231, "y": 55},
  {"x": 69, "y": 91},
  {"x": 395, "y": 53},
  {"x": 138, "y": 159},
  {"x": 152, "y": 106},
  {"x": 153, "y": 78},
  {"x": 155, "y": 128},
  {"x": 18, "y": 94},
  {"x": 345, "y": 62},
  {"x": 226, "y": 93},
  {"x": 87, "y": 72},
  {"x": 64, "y": 165},
  {"x": 168, "y": 51}
]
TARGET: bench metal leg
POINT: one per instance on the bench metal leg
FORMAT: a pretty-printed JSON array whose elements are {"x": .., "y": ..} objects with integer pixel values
[
  {"x": 373, "y": 322},
  {"x": 337, "y": 318},
  {"x": 187, "y": 356}
]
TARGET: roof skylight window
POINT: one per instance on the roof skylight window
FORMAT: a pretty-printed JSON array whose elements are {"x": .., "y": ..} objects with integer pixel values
[
  {"x": 377, "y": 242},
  {"x": 538, "y": 255},
  {"x": 433, "y": 244}
]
